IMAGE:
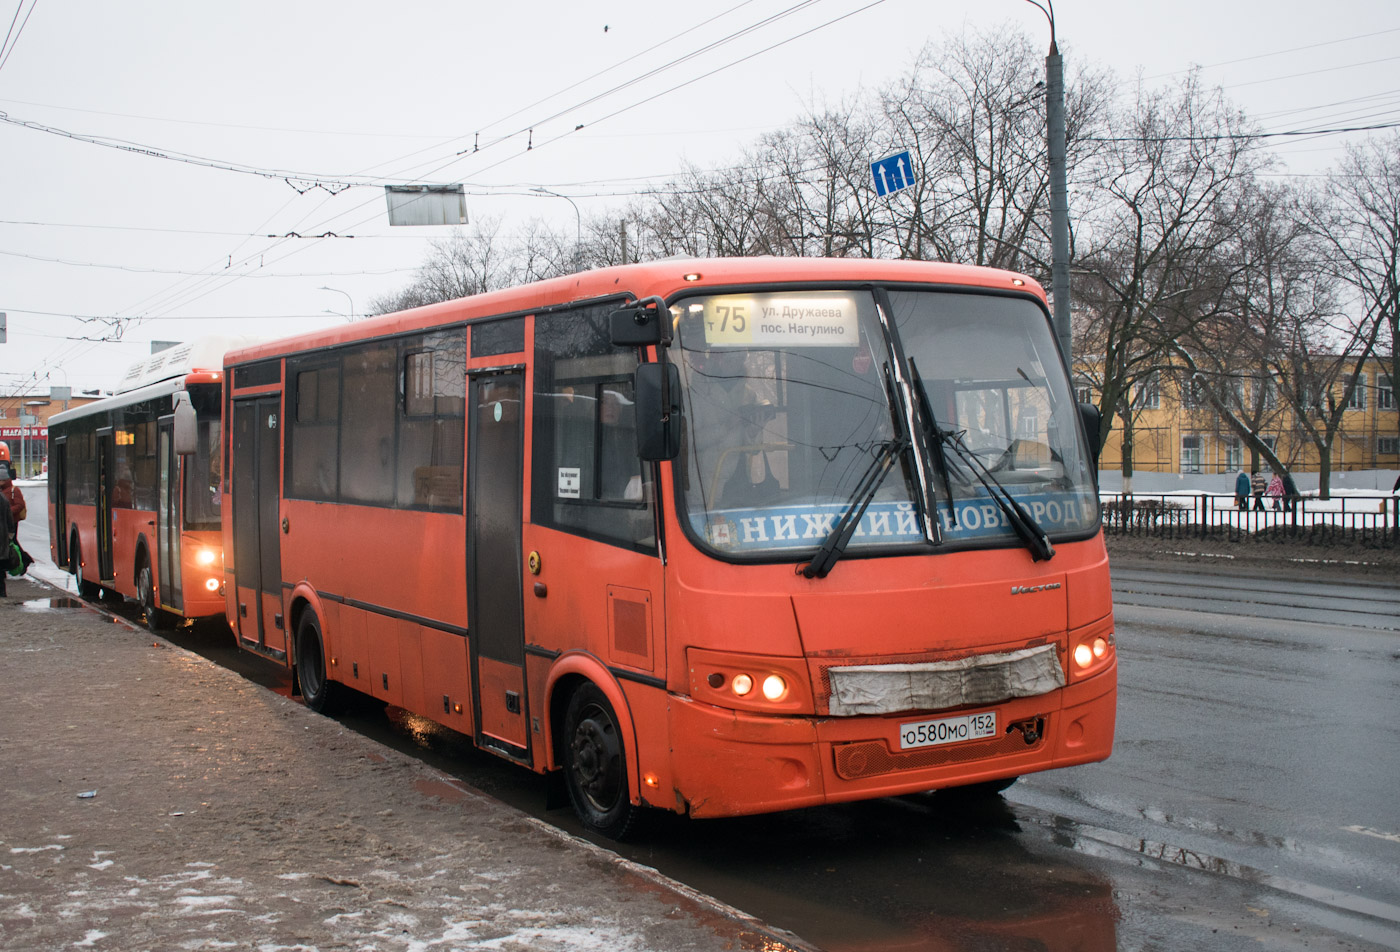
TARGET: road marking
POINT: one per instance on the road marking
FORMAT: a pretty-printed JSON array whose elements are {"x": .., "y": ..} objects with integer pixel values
[{"x": 1378, "y": 834}]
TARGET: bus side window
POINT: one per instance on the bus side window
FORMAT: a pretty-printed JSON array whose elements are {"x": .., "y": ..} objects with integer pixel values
[{"x": 588, "y": 478}]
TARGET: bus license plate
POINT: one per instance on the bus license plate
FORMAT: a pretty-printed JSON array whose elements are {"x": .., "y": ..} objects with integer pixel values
[{"x": 948, "y": 730}]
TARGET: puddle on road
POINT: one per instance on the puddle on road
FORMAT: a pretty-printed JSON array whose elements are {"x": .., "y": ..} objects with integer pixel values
[
  {"x": 55, "y": 604},
  {"x": 1384, "y": 917}
]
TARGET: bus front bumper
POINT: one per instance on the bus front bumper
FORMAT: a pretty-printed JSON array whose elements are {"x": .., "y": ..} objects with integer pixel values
[{"x": 728, "y": 763}]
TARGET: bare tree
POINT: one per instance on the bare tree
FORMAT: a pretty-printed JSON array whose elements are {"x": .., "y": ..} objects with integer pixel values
[
  {"x": 469, "y": 261},
  {"x": 1166, "y": 189},
  {"x": 1358, "y": 219},
  {"x": 1230, "y": 358}
]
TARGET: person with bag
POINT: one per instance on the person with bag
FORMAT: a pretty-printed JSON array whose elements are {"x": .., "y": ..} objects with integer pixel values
[
  {"x": 8, "y": 527},
  {"x": 15, "y": 497},
  {"x": 1242, "y": 491}
]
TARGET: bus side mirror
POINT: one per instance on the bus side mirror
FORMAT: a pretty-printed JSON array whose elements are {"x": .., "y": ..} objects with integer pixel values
[
  {"x": 186, "y": 429},
  {"x": 658, "y": 412},
  {"x": 645, "y": 323},
  {"x": 1091, "y": 420}
]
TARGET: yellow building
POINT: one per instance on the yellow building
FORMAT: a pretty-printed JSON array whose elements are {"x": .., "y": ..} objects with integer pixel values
[{"x": 1175, "y": 431}]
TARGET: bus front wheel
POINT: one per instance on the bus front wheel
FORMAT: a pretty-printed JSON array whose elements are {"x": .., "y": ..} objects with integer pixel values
[
  {"x": 88, "y": 590},
  {"x": 319, "y": 692},
  {"x": 157, "y": 619},
  {"x": 595, "y": 765}
]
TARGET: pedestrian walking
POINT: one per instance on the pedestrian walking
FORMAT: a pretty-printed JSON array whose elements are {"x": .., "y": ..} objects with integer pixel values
[
  {"x": 1257, "y": 485},
  {"x": 1275, "y": 493},
  {"x": 1242, "y": 491},
  {"x": 1290, "y": 493}
]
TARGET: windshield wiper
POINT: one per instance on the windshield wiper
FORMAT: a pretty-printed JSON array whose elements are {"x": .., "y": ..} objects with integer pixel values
[
  {"x": 933, "y": 430},
  {"x": 845, "y": 527},
  {"x": 1022, "y": 522}
]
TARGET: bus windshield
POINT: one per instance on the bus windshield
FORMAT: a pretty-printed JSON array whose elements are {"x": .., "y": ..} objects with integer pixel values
[
  {"x": 203, "y": 470},
  {"x": 791, "y": 400}
]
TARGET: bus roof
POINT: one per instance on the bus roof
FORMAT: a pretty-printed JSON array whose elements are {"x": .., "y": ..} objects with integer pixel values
[
  {"x": 161, "y": 374},
  {"x": 664, "y": 278},
  {"x": 201, "y": 354}
]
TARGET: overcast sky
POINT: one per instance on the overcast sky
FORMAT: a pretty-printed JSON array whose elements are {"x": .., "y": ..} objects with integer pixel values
[{"x": 426, "y": 90}]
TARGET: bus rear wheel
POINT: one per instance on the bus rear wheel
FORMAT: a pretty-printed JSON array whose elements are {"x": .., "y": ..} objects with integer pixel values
[
  {"x": 157, "y": 619},
  {"x": 595, "y": 765},
  {"x": 319, "y": 692}
]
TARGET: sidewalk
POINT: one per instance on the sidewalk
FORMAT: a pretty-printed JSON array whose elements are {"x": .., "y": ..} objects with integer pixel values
[{"x": 150, "y": 799}]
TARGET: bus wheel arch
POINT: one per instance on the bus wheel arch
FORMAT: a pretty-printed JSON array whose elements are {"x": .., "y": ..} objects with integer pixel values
[
  {"x": 592, "y": 741},
  {"x": 309, "y": 667}
]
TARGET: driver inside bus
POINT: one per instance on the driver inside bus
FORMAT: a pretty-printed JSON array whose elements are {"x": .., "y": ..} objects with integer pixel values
[{"x": 727, "y": 420}]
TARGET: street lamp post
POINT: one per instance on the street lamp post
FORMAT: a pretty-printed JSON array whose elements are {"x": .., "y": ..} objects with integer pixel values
[
  {"x": 1059, "y": 185},
  {"x": 347, "y": 297},
  {"x": 578, "y": 225}
]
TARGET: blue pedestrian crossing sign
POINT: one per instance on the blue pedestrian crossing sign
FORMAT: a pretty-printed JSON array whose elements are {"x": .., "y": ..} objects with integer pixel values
[{"x": 892, "y": 173}]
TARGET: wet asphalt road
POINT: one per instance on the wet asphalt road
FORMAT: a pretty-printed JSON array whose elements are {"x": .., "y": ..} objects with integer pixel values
[{"x": 1252, "y": 801}]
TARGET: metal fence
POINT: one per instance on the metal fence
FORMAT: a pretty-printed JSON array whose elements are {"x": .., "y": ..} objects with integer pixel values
[{"x": 1307, "y": 520}]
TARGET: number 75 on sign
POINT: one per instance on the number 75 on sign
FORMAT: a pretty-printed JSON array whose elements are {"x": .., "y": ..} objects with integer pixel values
[{"x": 892, "y": 173}]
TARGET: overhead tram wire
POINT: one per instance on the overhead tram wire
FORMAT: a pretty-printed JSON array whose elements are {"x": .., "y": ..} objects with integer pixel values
[
  {"x": 327, "y": 223},
  {"x": 796, "y": 8},
  {"x": 637, "y": 103},
  {"x": 574, "y": 85},
  {"x": 12, "y": 35},
  {"x": 187, "y": 299}
]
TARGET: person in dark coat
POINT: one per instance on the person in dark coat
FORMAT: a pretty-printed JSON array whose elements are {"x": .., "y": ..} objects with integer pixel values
[
  {"x": 18, "y": 510},
  {"x": 1290, "y": 493},
  {"x": 8, "y": 528},
  {"x": 1242, "y": 490}
]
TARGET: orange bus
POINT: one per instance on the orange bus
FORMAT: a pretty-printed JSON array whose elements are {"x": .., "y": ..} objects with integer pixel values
[
  {"x": 128, "y": 515},
  {"x": 718, "y": 536}
]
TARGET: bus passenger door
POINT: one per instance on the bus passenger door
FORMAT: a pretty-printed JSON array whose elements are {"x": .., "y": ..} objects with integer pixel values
[
  {"x": 167, "y": 535},
  {"x": 58, "y": 491},
  {"x": 257, "y": 553},
  {"x": 106, "y": 453},
  {"x": 495, "y": 487}
]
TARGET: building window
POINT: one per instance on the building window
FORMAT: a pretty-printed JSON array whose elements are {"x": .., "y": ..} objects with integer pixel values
[
  {"x": 1084, "y": 393},
  {"x": 1234, "y": 454},
  {"x": 1385, "y": 393},
  {"x": 1149, "y": 393},
  {"x": 1357, "y": 400},
  {"x": 1271, "y": 442},
  {"x": 1266, "y": 394},
  {"x": 1388, "y": 446},
  {"x": 1191, "y": 395},
  {"x": 1190, "y": 453}
]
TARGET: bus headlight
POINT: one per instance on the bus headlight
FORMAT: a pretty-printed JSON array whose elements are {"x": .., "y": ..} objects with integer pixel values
[
  {"x": 762, "y": 684},
  {"x": 1093, "y": 652},
  {"x": 774, "y": 687},
  {"x": 205, "y": 557},
  {"x": 212, "y": 584}
]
